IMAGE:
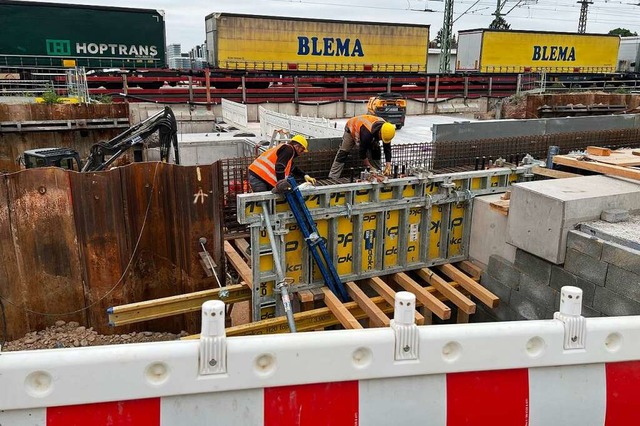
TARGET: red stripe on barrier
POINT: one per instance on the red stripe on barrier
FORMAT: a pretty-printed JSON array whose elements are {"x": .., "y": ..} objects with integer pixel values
[
  {"x": 140, "y": 412},
  {"x": 623, "y": 383},
  {"x": 488, "y": 398},
  {"x": 320, "y": 404}
]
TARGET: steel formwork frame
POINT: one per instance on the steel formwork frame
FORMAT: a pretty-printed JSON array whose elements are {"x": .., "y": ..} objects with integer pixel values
[{"x": 370, "y": 229}]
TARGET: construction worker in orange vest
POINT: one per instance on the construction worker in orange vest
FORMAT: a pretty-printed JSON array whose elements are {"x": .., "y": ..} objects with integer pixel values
[
  {"x": 366, "y": 131},
  {"x": 275, "y": 164}
]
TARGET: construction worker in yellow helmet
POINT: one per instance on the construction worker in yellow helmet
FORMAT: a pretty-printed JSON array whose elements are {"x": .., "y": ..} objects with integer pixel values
[
  {"x": 366, "y": 131},
  {"x": 276, "y": 164}
]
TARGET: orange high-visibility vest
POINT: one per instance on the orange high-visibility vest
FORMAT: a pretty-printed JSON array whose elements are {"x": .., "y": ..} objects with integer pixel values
[
  {"x": 355, "y": 124},
  {"x": 265, "y": 165}
]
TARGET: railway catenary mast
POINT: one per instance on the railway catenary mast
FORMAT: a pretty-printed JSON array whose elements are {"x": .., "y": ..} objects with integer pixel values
[
  {"x": 584, "y": 9},
  {"x": 447, "y": 30}
]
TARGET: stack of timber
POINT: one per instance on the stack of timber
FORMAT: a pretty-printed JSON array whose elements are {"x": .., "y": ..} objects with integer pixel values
[
  {"x": 621, "y": 162},
  {"x": 439, "y": 291}
]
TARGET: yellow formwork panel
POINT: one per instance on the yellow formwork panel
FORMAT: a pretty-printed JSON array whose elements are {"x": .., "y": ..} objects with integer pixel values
[
  {"x": 561, "y": 52},
  {"x": 392, "y": 227},
  {"x": 273, "y": 44},
  {"x": 456, "y": 229},
  {"x": 435, "y": 232},
  {"x": 413, "y": 240}
]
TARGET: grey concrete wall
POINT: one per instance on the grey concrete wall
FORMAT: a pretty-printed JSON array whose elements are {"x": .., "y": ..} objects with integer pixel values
[
  {"x": 488, "y": 232},
  {"x": 542, "y": 126},
  {"x": 528, "y": 287}
]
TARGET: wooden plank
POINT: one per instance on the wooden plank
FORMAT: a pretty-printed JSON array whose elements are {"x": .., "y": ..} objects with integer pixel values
[
  {"x": 347, "y": 320},
  {"x": 551, "y": 173},
  {"x": 470, "y": 268},
  {"x": 620, "y": 157},
  {"x": 597, "y": 167},
  {"x": 506, "y": 196},
  {"x": 243, "y": 247},
  {"x": 375, "y": 314},
  {"x": 240, "y": 265},
  {"x": 460, "y": 300},
  {"x": 306, "y": 300},
  {"x": 462, "y": 317},
  {"x": 174, "y": 305},
  {"x": 426, "y": 298},
  {"x": 501, "y": 206},
  {"x": 389, "y": 295},
  {"x": 478, "y": 291},
  {"x": 596, "y": 150}
]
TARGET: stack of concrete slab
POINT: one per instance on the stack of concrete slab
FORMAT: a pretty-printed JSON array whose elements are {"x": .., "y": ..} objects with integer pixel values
[{"x": 541, "y": 213}]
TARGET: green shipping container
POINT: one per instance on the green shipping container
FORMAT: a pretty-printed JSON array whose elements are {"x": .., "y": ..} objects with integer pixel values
[{"x": 47, "y": 34}]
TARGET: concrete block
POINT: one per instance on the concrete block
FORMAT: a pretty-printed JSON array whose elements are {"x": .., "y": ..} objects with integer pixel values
[
  {"x": 621, "y": 256},
  {"x": 541, "y": 213},
  {"x": 586, "y": 267},
  {"x": 584, "y": 243},
  {"x": 614, "y": 215},
  {"x": 496, "y": 287},
  {"x": 504, "y": 271},
  {"x": 613, "y": 304},
  {"x": 506, "y": 313},
  {"x": 590, "y": 312},
  {"x": 539, "y": 292},
  {"x": 537, "y": 268},
  {"x": 560, "y": 278},
  {"x": 623, "y": 282},
  {"x": 488, "y": 231},
  {"x": 483, "y": 314},
  {"x": 527, "y": 308}
]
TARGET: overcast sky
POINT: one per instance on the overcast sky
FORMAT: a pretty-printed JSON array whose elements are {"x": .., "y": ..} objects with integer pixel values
[{"x": 185, "y": 18}]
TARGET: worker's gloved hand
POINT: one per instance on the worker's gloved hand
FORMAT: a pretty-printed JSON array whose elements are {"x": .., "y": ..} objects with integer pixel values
[
  {"x": 309, "y": 179},
  {"x": 387, "y": 169}
]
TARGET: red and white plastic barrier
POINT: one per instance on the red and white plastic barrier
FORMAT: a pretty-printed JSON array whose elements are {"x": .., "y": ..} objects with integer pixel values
[{"x": 514, "y": 373}]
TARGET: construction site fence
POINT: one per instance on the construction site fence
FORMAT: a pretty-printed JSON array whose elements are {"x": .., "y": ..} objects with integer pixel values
[
  {"x": 74, "y": 244},
  {"x": 515, "y": 373}
]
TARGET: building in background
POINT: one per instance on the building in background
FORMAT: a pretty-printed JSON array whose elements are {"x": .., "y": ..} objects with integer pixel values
[{"x": 194, "y": 59}]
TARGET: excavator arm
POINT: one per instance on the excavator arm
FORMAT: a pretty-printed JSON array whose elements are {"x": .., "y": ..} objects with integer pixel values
[{"x": 164, "y": 122}]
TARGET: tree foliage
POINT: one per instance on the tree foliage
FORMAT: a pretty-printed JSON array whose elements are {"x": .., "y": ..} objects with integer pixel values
[
  {"x": 499, "y": 23},
  {"x": 623, "y": 32},
  {"x": 437, "y": 42}
]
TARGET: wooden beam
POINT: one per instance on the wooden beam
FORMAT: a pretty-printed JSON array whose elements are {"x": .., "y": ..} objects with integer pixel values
[
  {"x": 460, "y": 300},
  {"x": 339, "y": 310},
  {"x": 427, "y": 299},
  {"x": 174, "y": 305},
  {"x": 238, "y": 263},
  {"x": 318, "y": 318},
  {"x": 375, "y": 314},
  {"x": 607, "y": 169},
  {"x": 551, "y": 173},
  {"x": 470, "y": 268},
  {"x": 243, "y": 246},
  {"x": 389, "y": 295},
  {"x": 484, "y": 295}
]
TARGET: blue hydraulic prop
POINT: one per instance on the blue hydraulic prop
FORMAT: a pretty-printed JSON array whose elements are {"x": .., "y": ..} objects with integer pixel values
[{"x": 316, "y": 243}]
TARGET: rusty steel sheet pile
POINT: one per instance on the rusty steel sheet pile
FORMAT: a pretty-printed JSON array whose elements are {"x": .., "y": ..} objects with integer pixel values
[{"x": 74, "y": 244}]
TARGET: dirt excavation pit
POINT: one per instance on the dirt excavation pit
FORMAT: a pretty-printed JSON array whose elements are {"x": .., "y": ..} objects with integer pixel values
[{"x": 71, "y": 334}]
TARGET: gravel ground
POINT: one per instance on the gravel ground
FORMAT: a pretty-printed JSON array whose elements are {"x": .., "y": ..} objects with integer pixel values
[{"x": 71, "y": 334}]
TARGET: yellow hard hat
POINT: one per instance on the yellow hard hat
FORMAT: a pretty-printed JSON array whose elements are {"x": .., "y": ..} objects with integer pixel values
[
  {"x": 303, "y": 141},
  {"x": 387, "y": 132}
]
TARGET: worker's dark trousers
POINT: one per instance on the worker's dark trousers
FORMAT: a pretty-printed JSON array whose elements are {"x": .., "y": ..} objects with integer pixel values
[
  {"x": 258, "y": 185},
  {"x": 343, "y": 154}
]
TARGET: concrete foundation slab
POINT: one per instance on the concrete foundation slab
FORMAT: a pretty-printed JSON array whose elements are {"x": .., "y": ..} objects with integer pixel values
[
  {"x": 489, "y": 232},
  {"x": 541, "y": 213}
]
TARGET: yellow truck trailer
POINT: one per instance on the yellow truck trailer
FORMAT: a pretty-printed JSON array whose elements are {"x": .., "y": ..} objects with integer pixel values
[
  {"x": 260, "y": 43},
  {"x": 495, "y": 51}
]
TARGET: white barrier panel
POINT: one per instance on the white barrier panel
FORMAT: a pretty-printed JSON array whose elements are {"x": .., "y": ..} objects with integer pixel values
[
  {"x": 235, "y": 113},
  {"x": 515, "y": 373},
  {"x": 314, "y": 127}
]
